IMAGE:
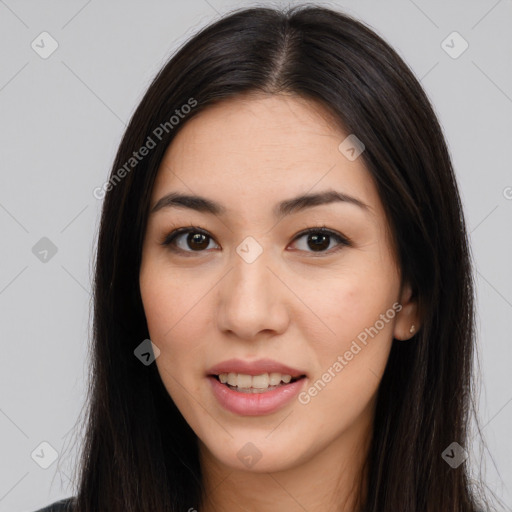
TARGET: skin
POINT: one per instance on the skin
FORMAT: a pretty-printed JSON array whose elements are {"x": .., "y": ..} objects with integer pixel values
[{"x": 293, "y": 304}]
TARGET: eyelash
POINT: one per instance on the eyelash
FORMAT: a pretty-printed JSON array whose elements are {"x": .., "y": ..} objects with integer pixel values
[{"x": 168, "y": 240}]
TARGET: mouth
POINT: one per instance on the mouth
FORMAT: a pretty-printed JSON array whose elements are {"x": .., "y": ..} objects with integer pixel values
[
  {"x": 253, "y": 388},
  {"x": 251, "y": 384}
]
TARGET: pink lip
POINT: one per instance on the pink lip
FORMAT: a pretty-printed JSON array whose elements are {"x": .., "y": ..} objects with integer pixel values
[
  {"x": 254, "y": 367},
  {"x": 255, "y": 404}
]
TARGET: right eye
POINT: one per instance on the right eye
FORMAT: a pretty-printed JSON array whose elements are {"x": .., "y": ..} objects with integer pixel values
[{"x": 197, "y": 238}]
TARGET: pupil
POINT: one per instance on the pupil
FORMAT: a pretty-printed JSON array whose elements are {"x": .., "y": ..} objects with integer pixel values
[
  {"x": 322, "y": 244},
  {"x": 195, "y": 238}
]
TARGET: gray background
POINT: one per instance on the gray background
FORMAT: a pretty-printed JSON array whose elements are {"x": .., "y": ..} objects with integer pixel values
[{"x": 61, "y": 119}]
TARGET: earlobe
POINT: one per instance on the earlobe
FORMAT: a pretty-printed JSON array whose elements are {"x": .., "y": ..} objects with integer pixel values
[{"x": 407, "y": 321}]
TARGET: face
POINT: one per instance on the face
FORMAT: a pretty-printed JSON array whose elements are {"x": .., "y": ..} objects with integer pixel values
[{"x": 243, "y": 293}]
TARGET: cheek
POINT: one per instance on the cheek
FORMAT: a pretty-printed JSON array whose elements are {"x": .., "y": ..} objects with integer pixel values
[
  {"x": 170, "y": 318},
  {"x": 170, "y": 300},
  {"x": 350, "y": 304},
  {"x": 351, "y": 348},
  {"x": 348, "y": 364},
  {"x": 179, "y": 315},
  {"x": 169, "y": 315}
]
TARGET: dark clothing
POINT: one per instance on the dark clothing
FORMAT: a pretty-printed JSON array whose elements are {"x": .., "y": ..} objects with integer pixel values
[{"x": 59, "y": 506}]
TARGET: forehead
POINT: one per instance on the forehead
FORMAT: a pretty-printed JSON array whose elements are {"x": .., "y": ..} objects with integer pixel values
[{"x": 254, "y": 151}]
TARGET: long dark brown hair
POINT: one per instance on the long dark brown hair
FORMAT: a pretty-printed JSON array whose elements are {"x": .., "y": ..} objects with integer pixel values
[{"x": 139, "y": 454}]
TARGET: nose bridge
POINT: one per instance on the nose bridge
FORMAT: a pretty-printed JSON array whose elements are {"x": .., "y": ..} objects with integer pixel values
[
  {"x": 250, "y": 261},
  {"x": 250, "y": 278},
  {"x": 250, "y": 299},
  {"x": 251, "y": 275}
]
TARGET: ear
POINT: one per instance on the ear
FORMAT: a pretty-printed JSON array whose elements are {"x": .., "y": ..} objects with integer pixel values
[{"x": 407, "y": 316}]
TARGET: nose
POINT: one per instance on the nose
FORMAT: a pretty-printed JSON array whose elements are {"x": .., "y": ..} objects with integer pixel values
[{"x": 252, "y": 301}]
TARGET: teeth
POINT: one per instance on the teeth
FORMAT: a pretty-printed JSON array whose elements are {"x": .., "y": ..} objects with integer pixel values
[
  {"x": 275, "y": 379},
  {"x": 244, "y": 381},
  {"x": 258, "y": 381},
  {"x": 262, "y": 381}
]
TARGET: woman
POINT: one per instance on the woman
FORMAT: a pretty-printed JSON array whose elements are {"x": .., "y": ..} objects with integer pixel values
[{"x": 282, "y": 221}]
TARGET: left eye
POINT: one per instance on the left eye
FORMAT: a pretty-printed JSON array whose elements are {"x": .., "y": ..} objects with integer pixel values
[{"x": 319, "y": 239}]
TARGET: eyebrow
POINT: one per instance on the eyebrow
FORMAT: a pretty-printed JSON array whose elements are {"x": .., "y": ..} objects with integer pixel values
[{"x": 282, "y": 209}]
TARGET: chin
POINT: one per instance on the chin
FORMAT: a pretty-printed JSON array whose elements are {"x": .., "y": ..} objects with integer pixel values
[{"x": 254, "y": 453}]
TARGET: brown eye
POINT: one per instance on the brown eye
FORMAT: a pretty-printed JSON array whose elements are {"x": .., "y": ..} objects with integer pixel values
[
  {"x": 319, "y": 239},
  {"x": 196, "y": 240}
]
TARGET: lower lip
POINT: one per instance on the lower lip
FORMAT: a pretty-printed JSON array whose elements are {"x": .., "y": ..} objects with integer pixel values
[{"x": 255, "y": 404}]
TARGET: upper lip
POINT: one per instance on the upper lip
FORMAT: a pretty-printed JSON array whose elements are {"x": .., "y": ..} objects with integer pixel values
[{"x": 257, "y": 367}]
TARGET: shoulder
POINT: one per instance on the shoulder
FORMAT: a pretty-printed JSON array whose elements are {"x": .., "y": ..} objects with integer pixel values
[{"x": 58, "y": 506}]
